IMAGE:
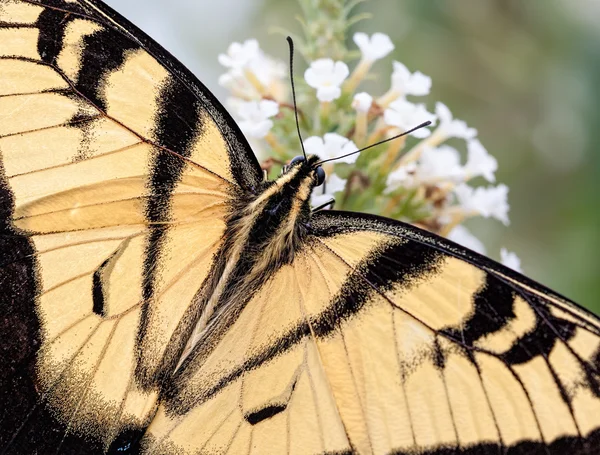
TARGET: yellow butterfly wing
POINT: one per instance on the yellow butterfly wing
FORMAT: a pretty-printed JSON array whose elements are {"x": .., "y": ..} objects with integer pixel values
[
  {"x": 116, "y": 164},
  {"x": 120, "y": 177},
  {"x": 381, "y": 338}
]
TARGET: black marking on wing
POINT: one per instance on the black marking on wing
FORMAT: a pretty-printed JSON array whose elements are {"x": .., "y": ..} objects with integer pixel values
[
  {"x": 494, "y": 309},
  {"x": 19, "y": 326},
  {"x": 264, "y": 414},
  {"x": 596, "y": 360},
  {"x": 98, "y": 291},
  {"x": 103, "y": 52},
  {"x": 541, "y": 339},
  {"x": 25, "y": 425},
  {"x": 243, "y": 163},
  {"x": 52, "y": 24},
  {"x": 398, "y": 264},
  {"x": 178, "y": 123},
  {"x": 592, "y": 372},
  {"x": 439, "y": 356}
]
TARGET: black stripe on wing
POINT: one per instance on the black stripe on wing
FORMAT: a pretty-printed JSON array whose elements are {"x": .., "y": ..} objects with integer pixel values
[
  {"x": 52, "y": 25},
  {"x": 177, "y": 125},
  {"x": 493, "y": 310},
  {"x": 407, "y": 263},
  {"x": 244, "y": 165},
  {"x": 103, "y": 52}
]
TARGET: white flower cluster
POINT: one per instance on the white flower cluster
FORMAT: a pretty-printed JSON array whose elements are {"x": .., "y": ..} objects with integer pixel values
[
  {"x": 258, "y": 87},
  {"x": 256, "y": 83}
]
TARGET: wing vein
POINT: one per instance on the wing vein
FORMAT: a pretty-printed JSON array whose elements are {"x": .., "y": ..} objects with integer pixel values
[
  {"x": 88, "y": 382},
  {"x": 314, "y": 337}
]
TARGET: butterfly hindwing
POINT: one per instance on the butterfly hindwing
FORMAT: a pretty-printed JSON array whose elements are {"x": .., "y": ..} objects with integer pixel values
[
  {"x": 486, "y": 356},
  {"x": 380, "y": 338}
]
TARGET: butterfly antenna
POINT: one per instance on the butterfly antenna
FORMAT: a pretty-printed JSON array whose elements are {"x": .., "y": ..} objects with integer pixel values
[
  {"x": 422, "y": 125},
  {"x": 291, "y": 44}
]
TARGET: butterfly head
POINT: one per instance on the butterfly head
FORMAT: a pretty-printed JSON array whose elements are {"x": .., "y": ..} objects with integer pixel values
[
  {"x": 311, "y": 167},
  {"x": 289, "y": 196}
]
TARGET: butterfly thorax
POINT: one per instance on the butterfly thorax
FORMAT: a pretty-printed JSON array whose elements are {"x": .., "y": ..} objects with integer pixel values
[{"x": 264, "y": 233}]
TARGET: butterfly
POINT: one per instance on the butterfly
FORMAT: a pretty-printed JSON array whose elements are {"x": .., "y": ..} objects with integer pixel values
[{"x": 158, "y": 296}]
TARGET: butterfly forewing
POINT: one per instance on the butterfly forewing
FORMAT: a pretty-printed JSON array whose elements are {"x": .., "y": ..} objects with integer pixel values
[{"x": 102, "y": 195}]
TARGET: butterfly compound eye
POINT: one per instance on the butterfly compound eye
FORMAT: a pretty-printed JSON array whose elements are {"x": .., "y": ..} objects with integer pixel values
[
  {"x": 297, "y": 159},
  {"x": 320, "y": 176}
]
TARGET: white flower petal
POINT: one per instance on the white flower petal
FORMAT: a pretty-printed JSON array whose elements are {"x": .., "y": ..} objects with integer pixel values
[
  {"x": 258, "y": 110},
  {"x": 327, "y": 94},
  {"x": 480, "y": 162},
  {"x": 334, "y": 184},
  {"x": 511, "y": 260},
  {"x": 393, "y": 117},
  {"x": 406, "y": 115},
  {"x": 463, "y": 236},
  {"x": 442, "y": 163},
  {"x": 240, "y": 54},
  {"x": 267, "y": 69},
  {"x": 421, "y": 133},
  {"x": 326, "y": 76},
  {"x": 336, "y": 145},
  {"x": 331, "y": 145},
  {"x": 362, "y": 102},
  {"x": 488, "y": 202},
  {"x": 404, "y": 82},
  {"x": 247, "y": 57},
  {"x": 269, "y": 108},
  {"x": 340, "y": 72},
  {"x": 401, "y": 177},
  {"x": 374, "y": 48},
  {"x": 443, "y": 113},
  {"x": 226, "y": 80},
  {"x": 235, "y": 80},
  {"x": 453, "y": 127},
  {"x": 361, "y": 40},
  {"x": 257, "y": 130},
  {"x": 419, "y": 84},
  {"x": 400, "y": 75},
  {"x": 255, "y": 117},
  {"x": 319, "y": 72},
  {"x": 314, "y": 145},
  {"x": 382, "y": 43}
]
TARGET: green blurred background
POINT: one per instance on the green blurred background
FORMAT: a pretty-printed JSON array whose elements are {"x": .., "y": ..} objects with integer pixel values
[{"x": 526, "y": 74}]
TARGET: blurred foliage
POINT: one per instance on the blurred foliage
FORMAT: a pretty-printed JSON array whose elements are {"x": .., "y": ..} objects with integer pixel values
[{"x": 527, "y": 75}]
